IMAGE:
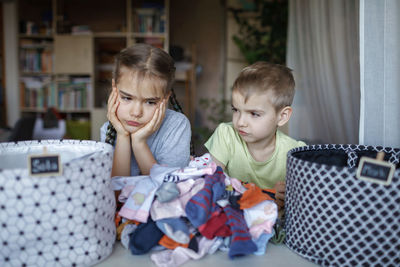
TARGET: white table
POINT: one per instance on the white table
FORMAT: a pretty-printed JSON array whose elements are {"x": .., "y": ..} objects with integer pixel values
[{"x": 276, "y": 256}]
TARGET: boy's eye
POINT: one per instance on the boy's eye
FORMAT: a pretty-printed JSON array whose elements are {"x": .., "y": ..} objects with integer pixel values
[
  {"x": 234, "y": 109},
  {"x": 125, "y": 98},
  {"x": 255, "y": 114}
]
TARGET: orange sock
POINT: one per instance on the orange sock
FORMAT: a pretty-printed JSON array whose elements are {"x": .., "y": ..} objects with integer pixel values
[
  {"x": 169, "y": 243},
  {"x": 122, "y": 226},
  {"x": 253, "y": 195}
]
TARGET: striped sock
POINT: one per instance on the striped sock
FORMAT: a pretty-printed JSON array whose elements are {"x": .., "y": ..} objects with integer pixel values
[
  {"x": 241, "y": 243},
  {"x": 202, "y": 205}
]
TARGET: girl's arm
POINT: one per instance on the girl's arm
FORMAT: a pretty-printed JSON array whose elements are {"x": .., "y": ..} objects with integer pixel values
[
  {"x": 122, "y": 152},
  {"x": 122, "y": 156},
  {"x": 143, "y": 155}
]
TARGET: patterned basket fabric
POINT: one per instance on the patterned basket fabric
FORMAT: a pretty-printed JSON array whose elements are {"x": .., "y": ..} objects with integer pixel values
[
  {"x": 334, "y": 219},
  {"x": 65, "y": 220}
]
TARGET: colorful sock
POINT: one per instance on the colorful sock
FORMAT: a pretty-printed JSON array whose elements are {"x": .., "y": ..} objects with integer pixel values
[
  {"x": 175, "y": 228},
  {"x": 216, "y": 226},
  {"x": 144, "y": 238},
  {"x": 193, "y": 244},
  {"x": 261, "y": 218},
  {"x": 262, "y": 242},
  {"x": 176, "y": 208},
  {"x": 125, "y": 234},
  {"x": 241, "y": 243},
  {"x": 202, "y": 205},
  {"x": 169, "y": 243},
  {"x": 167, "y": 192},
  {"x": 201, "y": 162},
  {"x": 190, "y": 172},
  {"x": 252, "y": 196}
]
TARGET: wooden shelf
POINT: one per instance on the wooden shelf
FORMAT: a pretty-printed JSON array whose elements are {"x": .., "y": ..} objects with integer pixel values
[{"x": 105, "y": 31}]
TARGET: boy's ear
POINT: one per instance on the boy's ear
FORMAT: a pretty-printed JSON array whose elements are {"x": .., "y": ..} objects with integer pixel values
[{"x": 284, "y": 115}]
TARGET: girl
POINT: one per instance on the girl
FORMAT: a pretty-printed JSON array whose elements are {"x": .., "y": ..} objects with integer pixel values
[{"x": 146, "y": 131}]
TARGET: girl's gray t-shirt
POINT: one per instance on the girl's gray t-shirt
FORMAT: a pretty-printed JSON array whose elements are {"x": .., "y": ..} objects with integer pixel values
[{"x": 170, "y": 144}]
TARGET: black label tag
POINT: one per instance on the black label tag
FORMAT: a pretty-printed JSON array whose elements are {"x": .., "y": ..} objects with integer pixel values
[
  {"x": 375, "y": 171},
  {"x": 44, "y": 165}
]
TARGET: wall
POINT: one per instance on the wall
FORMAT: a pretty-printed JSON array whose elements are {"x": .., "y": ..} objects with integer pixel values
[{"x": 201, "y": 23}]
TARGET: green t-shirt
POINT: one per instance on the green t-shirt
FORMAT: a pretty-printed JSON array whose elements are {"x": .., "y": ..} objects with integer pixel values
[{"x": 228, "y": 147}]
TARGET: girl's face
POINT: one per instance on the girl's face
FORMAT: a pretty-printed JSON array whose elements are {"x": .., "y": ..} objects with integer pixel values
[{"x": 138, "y": 99}]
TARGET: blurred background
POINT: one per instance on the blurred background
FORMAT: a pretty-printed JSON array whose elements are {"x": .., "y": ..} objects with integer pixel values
[{"x": 56, "y": 59}]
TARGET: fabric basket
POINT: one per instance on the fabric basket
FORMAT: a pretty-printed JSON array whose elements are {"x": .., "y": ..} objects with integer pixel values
[
  {"x": 59, "y": 220},
  {"x": 335, "y": 219}
]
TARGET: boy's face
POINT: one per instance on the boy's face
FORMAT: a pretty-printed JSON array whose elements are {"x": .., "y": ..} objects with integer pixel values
[
  {"x": 255, "y": 120},
  {"x": 138, "y": 100}
]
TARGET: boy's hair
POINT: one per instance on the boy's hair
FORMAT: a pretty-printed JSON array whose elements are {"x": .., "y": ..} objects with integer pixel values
[
  {"x": 263, "y": 77},
  {"x": 146, "y": 61}
]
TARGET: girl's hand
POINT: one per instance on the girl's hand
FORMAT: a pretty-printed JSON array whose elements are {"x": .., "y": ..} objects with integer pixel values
[
  {"x": 143, "y": 133},
  {"x": 112, "y": 107},
  {"x": 280, "y": 188}
]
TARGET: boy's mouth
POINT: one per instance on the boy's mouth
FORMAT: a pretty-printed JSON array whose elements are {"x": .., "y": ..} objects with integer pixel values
[{"x": 242, "y": 133}]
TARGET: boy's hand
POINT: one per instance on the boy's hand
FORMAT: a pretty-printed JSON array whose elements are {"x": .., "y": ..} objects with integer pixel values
[
  {"x": 112, "y": 107},
  {"x": 280, "y": 188},
  {"x": 143, "y": 133}
]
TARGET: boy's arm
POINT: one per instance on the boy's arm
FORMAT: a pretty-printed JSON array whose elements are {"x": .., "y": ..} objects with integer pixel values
[{"x": 280, "y": 188}]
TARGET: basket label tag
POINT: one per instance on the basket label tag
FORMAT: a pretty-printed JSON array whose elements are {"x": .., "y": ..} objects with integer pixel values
[
  {"x": 44, "y": 165},
  {"x": 375, "y": 171}
]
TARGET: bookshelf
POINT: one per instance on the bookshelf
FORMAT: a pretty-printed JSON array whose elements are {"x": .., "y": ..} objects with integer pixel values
[{"x": 67, "y": 47}]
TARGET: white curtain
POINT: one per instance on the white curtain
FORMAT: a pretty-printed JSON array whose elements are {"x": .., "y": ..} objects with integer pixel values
[
  {"x": 380, "y": 72},
  {"x": 323, "y": 51}
]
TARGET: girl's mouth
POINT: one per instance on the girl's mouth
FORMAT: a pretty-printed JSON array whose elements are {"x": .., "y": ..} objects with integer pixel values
[{"x": 133, "y": 123}]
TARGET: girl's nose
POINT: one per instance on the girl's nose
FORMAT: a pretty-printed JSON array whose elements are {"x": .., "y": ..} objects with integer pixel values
[{"x": 136, "y": 109}]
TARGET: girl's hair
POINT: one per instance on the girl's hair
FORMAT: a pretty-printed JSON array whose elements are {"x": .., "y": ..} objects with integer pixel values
[{"x": 146, "y": 61}]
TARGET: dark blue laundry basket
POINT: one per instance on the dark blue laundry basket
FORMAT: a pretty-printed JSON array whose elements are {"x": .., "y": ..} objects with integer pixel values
[{"x": 335, "y": 219}]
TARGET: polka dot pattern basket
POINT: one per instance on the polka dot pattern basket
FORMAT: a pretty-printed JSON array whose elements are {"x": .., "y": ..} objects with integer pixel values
[
  {"x": 65, "y": 220},
  {"x": 335, "y": 219}
]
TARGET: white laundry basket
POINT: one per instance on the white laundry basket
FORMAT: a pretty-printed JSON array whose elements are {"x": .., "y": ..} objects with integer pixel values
[{"x": 62, "y": 220}]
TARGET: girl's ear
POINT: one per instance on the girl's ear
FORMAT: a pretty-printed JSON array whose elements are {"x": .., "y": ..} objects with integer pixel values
[{"x": 284, "y": 115}]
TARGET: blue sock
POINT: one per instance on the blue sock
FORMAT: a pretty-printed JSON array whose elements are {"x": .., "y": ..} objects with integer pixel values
[
  {"x": 175, "y": 228},
  {"x": 144, "y": 238},
  {"x": 200, "y": 207},
  {"x": 241, "y": 243},
  {"x": 262, "y": 242}
]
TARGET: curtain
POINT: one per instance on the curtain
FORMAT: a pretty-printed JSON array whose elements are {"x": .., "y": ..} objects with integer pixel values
[
  {"x": 380, "y": 72},
  {"x": 323, "y": 51}
]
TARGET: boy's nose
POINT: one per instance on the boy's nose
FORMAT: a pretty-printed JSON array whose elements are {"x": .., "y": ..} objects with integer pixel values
[{"x": 241, "y": 121}]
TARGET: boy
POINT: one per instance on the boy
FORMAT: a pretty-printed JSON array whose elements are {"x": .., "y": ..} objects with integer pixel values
[{"x": 251, "y": 148}]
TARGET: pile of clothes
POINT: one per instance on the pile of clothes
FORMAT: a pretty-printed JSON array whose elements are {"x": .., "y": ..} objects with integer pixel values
[{"x": 182, "y": 214}]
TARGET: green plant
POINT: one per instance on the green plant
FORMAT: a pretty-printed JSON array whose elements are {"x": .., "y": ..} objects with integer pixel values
[
  {"x": 262, "y": 31},
  {"x": 215, "y": 111}
]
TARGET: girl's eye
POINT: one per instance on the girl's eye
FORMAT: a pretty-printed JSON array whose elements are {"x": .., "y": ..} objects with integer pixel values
[
  {"x": 234, "y": 109},
  {"x": 125, "y": 98},
  {"x": 151, "y": 102},
  {"x": 254, "y": 114}
]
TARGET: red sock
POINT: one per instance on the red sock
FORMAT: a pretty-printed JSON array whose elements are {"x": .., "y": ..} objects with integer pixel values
[{"x": 216, "y": 226}]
